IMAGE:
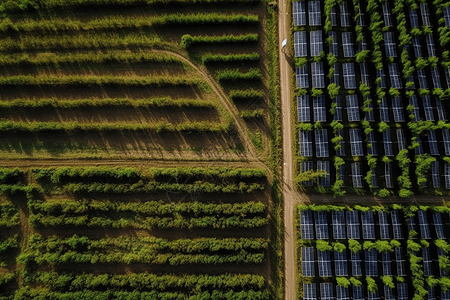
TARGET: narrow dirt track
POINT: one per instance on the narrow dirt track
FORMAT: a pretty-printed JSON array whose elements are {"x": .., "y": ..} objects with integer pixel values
[{"x": 290, "y": 196}]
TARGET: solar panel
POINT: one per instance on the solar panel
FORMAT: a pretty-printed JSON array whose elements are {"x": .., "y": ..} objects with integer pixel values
[
  {"x": 333, "y": 17},
  {"x": 423, "y": 83},
  {"x": 321, "y": 143},
  {"x": 341, "y": 150},
  {"x": 369, "y": 113},
  {"x": 440, "y": 110},
  {"x": 338, "y": 222},
  {"x": 417, "y": 47},
  {"x": 400, "y": 262},
  {"x": 411, "y": 224},
  {"x": 447, "y": 76},
  {"x": 305, "y": 167},
  {"x": 318, "y": 76},
  {"x": 303, "y": 108},
  {"x": 365, "y": 78},
  {"x": 308, "y": 262},
  {"x": 368, "y": 225},
  {"x": 447, "y": 16},
  {"x": 336, "y": 75},
  {"x": 384, "y": 225},
  {"x": 428, "y": 109},
  {"x": 316, "y": 43},
  {"x": 394, "y": 76},
  {"x": 360, "y": 20},
  {"x": 432, "y": 143},
  {"x": 357, "y": 176},
  {"x": 382, "y": 75},
  {"x": 372, "y": 150},
  {"x": 348, "y": 71},
  {"x": 326, "y": 291},
  {"x": 352, "y": 108},
  {"x": 345, "y": 15},
  {"x": 396, "y": 225},
  {"x": 314, "y": 13},
  {"x": 401, "y": 142},
  {"x": 358, "y": 293},
  {"x": 338, "y": 110},
  {"x": 342, "y": 293},
  {"x": 387, "y": 143},
  {"x": 299, "y": 9},
  {"x": 305, "y": 139},
  {"x": 424, "y": 11},
  {"x": 301, "y": 76},
  {"x": 356, "y": 142},
  {"x": 321, "y": 225},
  {"x": 333, "y": 48},
  {"x": 362, "y": 45},
  {"x": 423, "y": 225},
  {"x": 324, "y": 166},
  {"x": 319, "y": 109},
  {"x": 309, "y": 291},
  {"x": 402, "y": 289},
  {"x": 353, "y": 224},
  {"x": 386, "y": 263},
  {"x": 413, "y": 18},
  {"x": 446, "y": 140},
  {"x": 387, "y": 14},
  {"x": 430, "y": 45},
  {"x": 435, "y": 175},
  {"x": 397, "y": 109},
  {"x": 324, "y": 261},
  {"x": 355, "y": 260},
  {"x": 436, "y": 77},
  {"x": 371, "y": 262},
  {"x": 438, "y": 226},
  {"x": 431, "y": 293},
  {"x": 388, "y": 293},
  {"x": 447, "y": 175},
  {"x": 384, "y": 110},
  {"x": 413, "y": 86},
  {"x": 389, "y": 44},
  {"x": 300, "y": 43},
  {"x": 388, "y": 175},
  {"x": 408, "y": 50},
  {"x": 342, "y": 172},
  {"x": 413, "y": 101},
  {"x": 340, "y": 263},
  {"x": 442, "y": 271},
  {"x": 426, "y": 262},
  {"x": 306, "y": 222},
  {"x": 372, "y": 296},
  {"x": 347, "y": 44},
  {"x": 374, "y": 178},
  {"x": 419, "y": 149}
]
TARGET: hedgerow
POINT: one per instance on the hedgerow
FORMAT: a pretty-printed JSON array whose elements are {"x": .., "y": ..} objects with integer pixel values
[{"x": 188, "y": 40}]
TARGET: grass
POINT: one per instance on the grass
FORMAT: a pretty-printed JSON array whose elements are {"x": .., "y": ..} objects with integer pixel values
[{"x": 257, "y": 139}]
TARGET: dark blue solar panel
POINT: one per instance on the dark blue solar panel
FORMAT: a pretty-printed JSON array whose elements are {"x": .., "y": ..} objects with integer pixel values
[
  {"x": 445, "y": 295},
  {"x": 396, "y": 225},
  {"x": 345, "y": 15},
  {"x": 384, "y": 110},
  {"x": 384, "y": 225},
  {"x": 446, "y": 140},
  {"x": 387, "y": 143},
  {"x": 324, "y": 262},
  {"x": 369, "y": 111},
  {"x": 333, "y": 48},
  {"x": 303, "y": 108},
  {"x": 432, "y": 143},
  {"x": 356, "y": 179},
  {"x": 338, "y": 221},
  {"x": 371, "y": 262},
  {"x": 321, "y": 225},
  {"x": 338, "y": 110},
  {"x": 400, "y": 262},
  {"x": 426, "y": 262},
  {"x": 306, "y": 225},
  {"x": 372, "y": 296},
  {"x": 353, "y": 108},
  {"x": 299, "y": 10},
  {"x": 316, "y": 43},
  {"x": 348, "y": 71},
  {"x": 423, "y": 80},
  {"x": 388, "y": 175},
  {"x": 305, "y": 167},
  {"x": 386, "y": 263},
  {"x": 417, "y": 47},
  {"x": 431, "y": 293},
  {"x": 326, "y": 291},
  {"x": 388, "y": 293},
  {"x": 308, "y": 262},
  {"x": 356, "y": 142},
  {"x": 424, "y": 11},
  {"x": 356, "y": 264},
  {"x": 314, "y": 13},
  {"x": 439, "y": 227},
  {"x": 309, "y": 291},
  {"x": 382, "y": 76},
  {"x": 397, "y": 109},
  {"x": 401, "y": 142},
  {"x": 389, "y": 44},
  {"x": 341, "y": 150},
  {"x": 342, "y": 293},
  {"x": 430, "y": 45},
  {"x": 402, "y": 289},
  {"x": 324, "y": 166},
  {"x": 365, "y": 78},
  {"x": 442, "y": 271},
  {"x": 320, "y": 112},
  {"x": 368, "y": 225},
  {"x": 347, "y": 44},
  {"x": 440, "y": 110},
  {"x": 333, "y": 17},
  {"x": 301, "y": 76},
  {"x": 413, "y": 101},
  {"x": 318, "y": 76},
  {"x": 358, "y": 293},
  {"x": 374, "y": 178},
  {"x": 300, "y": 43},
  {"x": 340, "y": 263},
  {"x": 447, "y": 16},
  {"x": 372, "y": 144},
  {"x": 436, "y": 77},
  {"x": 394, "y": 76},
  {"x": 413, "y": 18},
  {"x": 305, "y": 139},
  {"x": 419, "y": 149},
  {"x": 321, "y": 143},
  {"x": 435, "y": 174},
  {"x": 387, "y": 14}
]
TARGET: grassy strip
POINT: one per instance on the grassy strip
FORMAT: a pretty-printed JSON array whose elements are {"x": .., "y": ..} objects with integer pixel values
[
  {"x": 257, "y": 113},
  {"x": 235, "y": 75},
  {"x": 72, "y": 127},
  {"x": 88, "y": 103},
  {"x": 121, "y": 22},
  {"x": 81, "y": 80},
  {"x": 188, "y": 40},
  {"x": 98, "y": 57},
  {"x": 219, "y": 58},
  {"x": 248, "y": 95},
  {"x": 78, "y": 41}
]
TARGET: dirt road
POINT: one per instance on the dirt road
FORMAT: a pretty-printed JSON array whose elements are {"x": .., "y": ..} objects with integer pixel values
[{"x": 291, "y": 198}]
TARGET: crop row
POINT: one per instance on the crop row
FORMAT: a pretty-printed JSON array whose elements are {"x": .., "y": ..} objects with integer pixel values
[
  {"x": 128, "y": 250},
  {"x": 219, "y": 58},
  {"x": 43, "y": 5},
  {"x": 235, "y": 75},
  {"x": 189, "y": 40},
  {"x": 78, "y": 41},
  {"x": 8, "y": 247},
  {"x": 147, "y": 215},
  {"x": 9, "y": 215},
  {"x": 91, "y": 57},
  {"x": 91, "y": 103},
  {"x": 120, "y": 22},
  {"x": 248, "y": 95}
]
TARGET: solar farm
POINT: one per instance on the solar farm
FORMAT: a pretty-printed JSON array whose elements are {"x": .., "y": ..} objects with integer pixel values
[
  {"x": 372, "y": 79},
  {"x": 373, "y": 252}
]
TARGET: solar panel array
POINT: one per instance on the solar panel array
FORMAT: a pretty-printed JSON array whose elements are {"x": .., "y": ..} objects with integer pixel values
[
  {"x": 348, "y": 72},
  {"x": 347, "y": 44},
  {"x": 382, "y": 76},
  {"x": 345, "y": 15},
  {"x": 435, "y": 174},
  {"x": 342, "y": 293},
  {"x": 446, "y": 140},
  {"x": 306, "y": 225},
  {"x": 386, "y": 263},
  {"x": 400, "y": 261},
  {"x": 306, "y": 149},
  {"x": 357, "y": 175},
  {"x": 314, "y": 13},
  {"x": 308, "y": 262},
  {"x": 394, "y": 76},
  {"x": 356, "y": 142},
  {"x": 300, "y": 43},
  {"x": 432, "y": 143},
  {"x": 372, "y": 144},
  {"x": 401, "y": 142},
  {"x": 371, "y": 262},
  {"x": 299, "y": 11},
  {"x": 309, "y": 291},
  {"x": 431, "y": 48},
  {"x": 324, "y": 263},
  {"x": 340, "y": 263},
  {"x": 326, "y": 291},
  {"x": 352, "y": 108},
  {"x": 321, "y": 222},
  {"x": 368, "y": 225},
  {"x": 388, "y": 175},
  {"x": 447, "y": 16},
  {"x": 355, "y": 261},
  {"x": 416, "y": 112},
  {"x": 426, "y": 262},
  {"x": 387, "y": 14},
  {"x": 387, "y": 143},
  {"x": 338, "y": 109},
  {"x": 436, "y": 78},
  {"x": 333, "y": 48},
  {"x": 353, "y": 225},
  {"x": 302, "y": 76},
  {"x": 425, "y": 13},
  {"x": 321, "y": 143},
  {"x": 338, "y": 221},
  {"x": 397, "y": 109},
  {"x": 303, "y": 108},
  {"x": 319, "y": 109},
  {"x": 318, "y": 76},
  {"x": 389, "y": 44},
  {"x": 384, "y": 110},
  {"x": 315, "y": 42},
  {"x": 324, "y": 166},
  {"x": 413, "y": 18},
  {"x": 423, "y": 81}
]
